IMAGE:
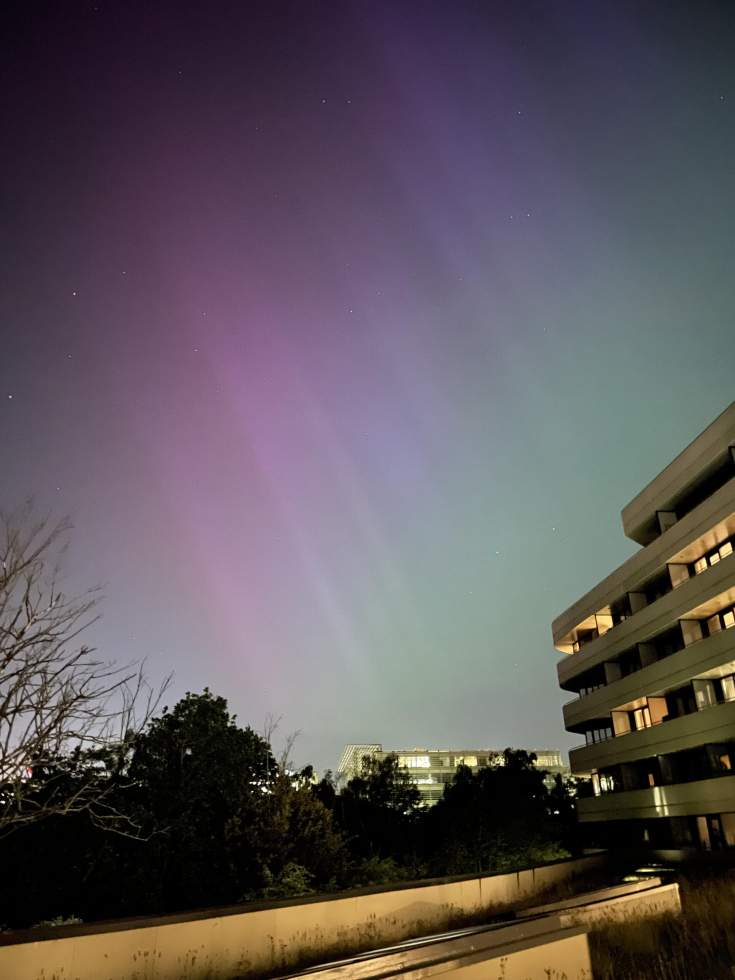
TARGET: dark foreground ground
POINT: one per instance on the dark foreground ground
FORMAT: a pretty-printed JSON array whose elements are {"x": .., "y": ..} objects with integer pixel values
[{"x": 698, "y": 945}]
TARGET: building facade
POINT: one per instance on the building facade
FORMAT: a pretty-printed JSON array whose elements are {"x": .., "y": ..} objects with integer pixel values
[
  {"x": 650, "y": 660},
  {"x": 432, "y": 769}
]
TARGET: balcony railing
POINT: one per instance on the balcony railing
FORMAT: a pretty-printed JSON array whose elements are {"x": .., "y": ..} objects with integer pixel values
[
  {"x": 722, "y": 555},
  {"x": 655, "y": 724}
]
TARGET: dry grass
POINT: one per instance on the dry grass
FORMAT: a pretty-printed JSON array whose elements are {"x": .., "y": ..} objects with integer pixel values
[
  {"x": 589, "y": 881},
  {"x": 698, "y": 945}
]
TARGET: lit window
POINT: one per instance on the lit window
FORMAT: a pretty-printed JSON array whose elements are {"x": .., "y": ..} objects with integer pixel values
[
  {"x": 699, "y": 566},
  {"x": 642, "y": 718},
  {"x": 714, "y": 558},
  {"x": 729, "y": 619},
  {"x": 466, "y": 760},
  {"x": 728, "y": 688},
  {"x": 595, "y": 784},
  {"x": 414, "y": 761},
  {"x": 726, "y": 549},
  {"x": 713, "y": 624},
  {"x": 725, "y": 761}
]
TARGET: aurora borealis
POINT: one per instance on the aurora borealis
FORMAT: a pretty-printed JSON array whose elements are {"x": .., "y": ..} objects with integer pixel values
[{"x": 343, "y": 332}]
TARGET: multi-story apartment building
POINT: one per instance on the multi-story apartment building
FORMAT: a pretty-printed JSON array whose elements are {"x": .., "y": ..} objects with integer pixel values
[
  {"x": 650, "y": 658},
  {"x": 432, "y": 769}
]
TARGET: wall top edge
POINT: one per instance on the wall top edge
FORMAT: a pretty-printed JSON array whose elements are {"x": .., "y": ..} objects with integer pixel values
[{"x": 663, "y": 491}]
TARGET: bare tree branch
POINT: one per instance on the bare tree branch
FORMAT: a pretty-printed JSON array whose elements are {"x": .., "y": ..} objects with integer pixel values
[{"x": 67, "y": 718}]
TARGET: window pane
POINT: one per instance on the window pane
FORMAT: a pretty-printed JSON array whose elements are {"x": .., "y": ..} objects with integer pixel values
[
  {"x": 414, "y": 761},
  {"x": 729, "y": 619},
  {"x": 713, "y": 624},
  {"x": 699, "y": 566},
  {"x": 726, "y": 549}
]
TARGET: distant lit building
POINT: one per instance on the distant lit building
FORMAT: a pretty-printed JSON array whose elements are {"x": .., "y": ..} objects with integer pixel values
[
  {"x": 350, "y": 762},
  {"x": 650, "y": 660},
  {"x": 432, "y": 769}
]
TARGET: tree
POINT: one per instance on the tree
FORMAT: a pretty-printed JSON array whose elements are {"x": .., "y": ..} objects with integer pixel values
[
  {"x": 325, "y": 790},
  {"x": 226, "y": 820},
  {"x": 386, "y": 783},
  {"x": 378, "y": 811},
  {"x": 193, "y": 769},
  {"x": 499, "y": 818},
  {"x": 291, "y": 836},
  {"x": 65, "y": 715}
]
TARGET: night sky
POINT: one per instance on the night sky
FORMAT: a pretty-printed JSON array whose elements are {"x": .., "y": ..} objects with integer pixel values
[{"x": 343, "y": 332}]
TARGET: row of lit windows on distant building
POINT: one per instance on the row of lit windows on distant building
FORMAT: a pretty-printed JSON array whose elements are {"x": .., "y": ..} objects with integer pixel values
[
  {"x": 439, "y": 761},
  {"x": 543, "y": 761}
]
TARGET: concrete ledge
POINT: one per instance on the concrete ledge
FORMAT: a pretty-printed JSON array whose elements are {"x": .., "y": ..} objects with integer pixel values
[
  {"x": 645, "y": 904},
  {"x": 713, "y": 724},
  {"x": 437, "y": 953},
  {"x": 703, "y": 453},
  {"x": 564, "y": 954},
  {"x": 614, "y": 891}
]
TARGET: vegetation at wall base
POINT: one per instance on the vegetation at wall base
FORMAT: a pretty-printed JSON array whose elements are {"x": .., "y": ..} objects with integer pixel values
[{"x": 699, "y": 944}]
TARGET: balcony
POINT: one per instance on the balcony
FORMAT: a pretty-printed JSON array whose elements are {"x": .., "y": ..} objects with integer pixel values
[
  {"x": 716, "y": 512},
  {"x": 651, "y": 681},
  {"x": 712, "y": 724},
  {"x": 651, "y": 620},
  {"x": 713, "y": 795}
]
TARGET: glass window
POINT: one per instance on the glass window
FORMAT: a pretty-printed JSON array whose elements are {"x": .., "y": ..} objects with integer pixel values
[
  {"x": 642, "y": 718},
  {"x": 726, "y": 549},
  {"x": 699, "y": 566},
  {"x": 414, "y": 761},
  {"x": 713, "y": 623},
  {"x": 728, "y": 688},
  {"x": 714, "y": 558},
  {"x": 704, "y": 693},
  {"x": 729, "y": 619},
  {"x": 595, "y": 784}
]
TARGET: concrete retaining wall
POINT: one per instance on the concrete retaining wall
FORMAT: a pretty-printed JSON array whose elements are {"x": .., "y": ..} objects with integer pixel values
[{"x": 248, "y": 943}]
